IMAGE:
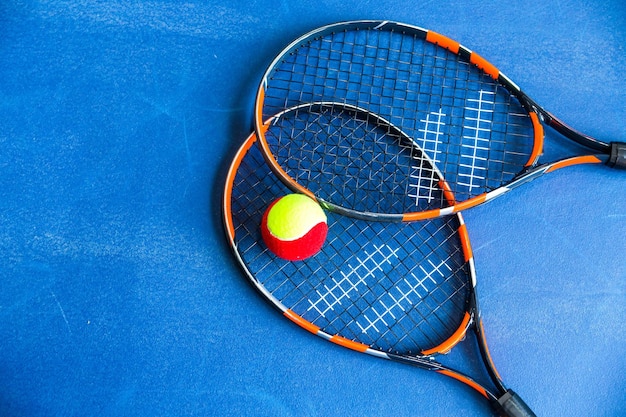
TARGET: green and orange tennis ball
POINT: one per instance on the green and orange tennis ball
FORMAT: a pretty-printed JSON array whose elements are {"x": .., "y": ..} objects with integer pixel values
[{"x": 294, "y": 227}]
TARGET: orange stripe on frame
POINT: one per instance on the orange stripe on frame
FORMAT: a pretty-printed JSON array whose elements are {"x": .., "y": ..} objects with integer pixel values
[
  {"x": 447, "y": 192},
  {"x": 443, "y": 41},
  {"x": 305, "y": 324},
  {"x": 474, "y": 201},
  {"x": 421, "y": 215},
  {"x": 588, "y": 159},
  {"x": 232, "y": 173},
  {"x": 538, "y": 139},
  {"x": 465, "y": 380},
  {"x": 485, "y": 65},
  {"x": 465, "y": 243},
  {"x": 342, "y": 341},
  {"x": 456, "y": 337}
]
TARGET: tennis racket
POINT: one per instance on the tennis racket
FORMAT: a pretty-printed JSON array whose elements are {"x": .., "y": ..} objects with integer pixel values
[
  {"x": 399, "y": 291},
  {"x": 483, "y": 133}
]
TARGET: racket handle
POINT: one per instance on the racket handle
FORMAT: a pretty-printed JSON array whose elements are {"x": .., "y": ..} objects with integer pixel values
[
  {"x": 617, "y": 155},
  {"x": 512, "y": 405}
]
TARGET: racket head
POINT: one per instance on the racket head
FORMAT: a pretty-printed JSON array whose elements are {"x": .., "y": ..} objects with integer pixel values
[
  {"x": 353, "y": 162},
  {"x": 473, "y": 123},
  {"x": 400, "y": 291}
]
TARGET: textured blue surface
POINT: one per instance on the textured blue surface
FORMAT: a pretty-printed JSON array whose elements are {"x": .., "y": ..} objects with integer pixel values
[{"x": 119, "y": 295}]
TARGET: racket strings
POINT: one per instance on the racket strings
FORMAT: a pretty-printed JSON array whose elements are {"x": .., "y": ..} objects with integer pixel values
[
  {"x": 351, "y": 159},
  {"x": 398, "y": 288},
  {"x": 474, "y": 130},
  {"x": 378, "y": 302}
]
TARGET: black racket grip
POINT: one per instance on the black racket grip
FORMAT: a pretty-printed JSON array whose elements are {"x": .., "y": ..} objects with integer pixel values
[
  {"x": 512, "y": 405},
  {"x": 617, "y": 155}
]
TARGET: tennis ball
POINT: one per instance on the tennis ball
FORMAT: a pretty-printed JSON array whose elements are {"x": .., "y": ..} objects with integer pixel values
[{"x": 294, "y": 227}]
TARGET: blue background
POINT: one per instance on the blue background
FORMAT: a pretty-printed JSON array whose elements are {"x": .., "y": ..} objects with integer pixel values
[{"x": 118, "y": 293}]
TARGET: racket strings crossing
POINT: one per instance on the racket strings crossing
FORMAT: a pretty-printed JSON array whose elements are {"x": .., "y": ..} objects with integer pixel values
[
  {"x": 352, "y": 158},
  {"x": 473, "y": 129}
]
